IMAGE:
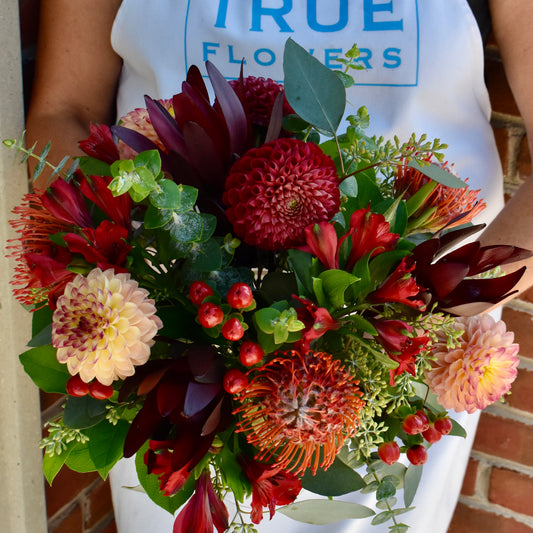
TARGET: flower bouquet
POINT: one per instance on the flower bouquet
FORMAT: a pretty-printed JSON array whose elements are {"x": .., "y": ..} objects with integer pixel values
[{"x": 250, "y": 302}]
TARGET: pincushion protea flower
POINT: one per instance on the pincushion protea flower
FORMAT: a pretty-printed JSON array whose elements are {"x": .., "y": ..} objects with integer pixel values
[
  {"x": 103, "y": 325},
  {"x": 274, "y": 192},
  {"x": 480, "y": 370},
  {"x": 299, "y": 409},
  {"x": 444, "y": 206}
]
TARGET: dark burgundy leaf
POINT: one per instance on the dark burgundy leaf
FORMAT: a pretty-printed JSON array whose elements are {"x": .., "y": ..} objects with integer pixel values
[
  {"x": 195, "y": 79},
  {"x": 276, "y": 118},
  {"x": 199, "y": 396},
  {"x": 232, "y": 109},
  {"x": 444, "y": 277},
  {"x": 142, "y": 427},
  {"x": 170, "y": 395},
  {"x": 212, "y": 423}
]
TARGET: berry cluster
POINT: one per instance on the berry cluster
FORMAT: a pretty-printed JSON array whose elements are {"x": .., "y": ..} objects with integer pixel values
[
  {"x": 210, "y": 315},
  {"x": 416, "y": 424},
  {"x": 77, "y": 387}
]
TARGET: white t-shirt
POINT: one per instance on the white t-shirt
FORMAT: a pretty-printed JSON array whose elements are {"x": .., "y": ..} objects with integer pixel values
[{"x": 424, "y": 74}]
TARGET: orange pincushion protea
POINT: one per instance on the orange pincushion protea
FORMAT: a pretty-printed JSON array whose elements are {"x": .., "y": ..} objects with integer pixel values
[
  {"x": 299, "y": 409},
  {"x": 445, "y": 206}
]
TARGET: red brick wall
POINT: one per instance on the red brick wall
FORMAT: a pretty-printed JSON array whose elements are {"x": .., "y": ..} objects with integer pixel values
[{"x": 497, "y": 495}]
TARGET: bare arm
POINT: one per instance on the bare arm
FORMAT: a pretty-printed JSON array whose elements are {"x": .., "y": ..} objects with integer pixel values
[
  {"x": 512, "y": 29},
  {"x": 76, "y": 75}
]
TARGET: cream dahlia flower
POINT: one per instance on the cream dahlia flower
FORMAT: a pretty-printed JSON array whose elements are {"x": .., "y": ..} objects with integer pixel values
[
  {"x": 477, "y": 372},
  {"x": 104, "y": 326}
]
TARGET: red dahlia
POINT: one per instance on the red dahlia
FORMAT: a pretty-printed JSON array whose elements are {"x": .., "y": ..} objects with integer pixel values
[
  {"x": 258, "y": 96},
  {"x": 274, "y": 192},
  {"x": 299, "y": 409}
]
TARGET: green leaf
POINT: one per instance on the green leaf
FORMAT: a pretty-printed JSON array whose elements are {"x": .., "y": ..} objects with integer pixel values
[
  {"x": 300, "y": 263},
  {"x": 411, "y": 482},
  {"x": 385, "y": 490},
  {"x": 337, "y": 480},
  {"x": 93, "y": 167},
  {"x": 417, "y": 200},
  {"x": 84, "y": 412},
  {"x": 206, "y": 256},
  {"x": 44, "y": 369},
  {"x": 438, "y": 174},
  {"x": 381, "y": 518},
  {"x": 185, "y": 227},
  {"x": 150, "y": 159},
  {"x": 323, "y": 512},
  {"x": 349, "y": 187},
  {"x": 53, "y": 464},
  {"x": 314, "y": 91},
  {"x": 178, "y": 198},
  {"x": 457, "y": 429},
  {"x": 266, "y": 319},
  {"x": 106, "y": 444},
  {"x": 80, "y": 459},
  {"x": 42, "y": 338},
  {"x": 335, "y": 283},
  {"x": 150, "y": 483},
  {"x": 40, "y": 319}
]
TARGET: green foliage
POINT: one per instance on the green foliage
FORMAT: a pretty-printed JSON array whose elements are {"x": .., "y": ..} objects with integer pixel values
[
  {"x": 57, "y": 170},
  {"x": 84, "y": 412},
  {"x": 44, "y": 369},
  {"x": 315, "y": 92},
  {"x": 277, "y": 325},
  {"x": 337, "y": 480},
  {"x": 323, "y": 512}
]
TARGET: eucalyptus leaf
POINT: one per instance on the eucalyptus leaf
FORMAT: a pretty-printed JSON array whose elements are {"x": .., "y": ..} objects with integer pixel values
[
  {"x": 314, "y": 91},
  {"x": 411, "y": 482},
  {"x": 179, "y": 198},
  {"x": 323, "y": 512},
  {"x": 44, "y": 369},
  {"x": 206, "y": 256},
  {"x": 185, "y": 227},
  {"x": 91, "y": 166},
  {"x": 337, "y": 480},
  {"x": 438, "y": 174}
]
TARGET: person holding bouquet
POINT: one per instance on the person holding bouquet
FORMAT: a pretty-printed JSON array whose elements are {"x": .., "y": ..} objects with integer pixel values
[{"x": 422, "y": 71}]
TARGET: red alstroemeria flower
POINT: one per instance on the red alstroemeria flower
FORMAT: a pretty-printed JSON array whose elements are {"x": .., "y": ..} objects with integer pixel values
[
  {"x": 401, "y": 346},
  {"x": 203, "y": 511},
  {"x": 400, "y": 287},
  {"x": 369, "y": 234},
  {"x": 270, "y": 487},
  {"x": 117, "y": 208},
  {"x": 65, "y": 201},
  {"x": 100, "y": 144},
  {"x": 321, "y": 241},
  {"x": 317, "y": 321},
  {"x": 105, "y": 246}
]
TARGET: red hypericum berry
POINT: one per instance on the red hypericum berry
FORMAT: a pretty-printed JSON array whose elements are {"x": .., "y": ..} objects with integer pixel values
[
  {"x": 417, "y": 454},
  {"x": 240, "y": 296},
  {"x": 99, "y": 390},
  {"x": 77, "y": 387},
  {"x": 210, "y": 315},
  {"x": 232, "y": 329},
  {"x": 413, "y": 424},
  {"x": 425, "y": 420},
  {"x": 389, "y": 452},
  {"x": 443, "y": 425},
  {"x": 250, "y": 353},
  {"x": 199, "y": 291},
  {"x": 431, "y": 434},
  {"x": 234, "y": 381}
]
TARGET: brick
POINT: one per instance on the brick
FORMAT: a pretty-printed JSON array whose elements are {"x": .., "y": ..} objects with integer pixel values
[
  {"x": 111, "y": 528},
  {"x": 521, "y": 397},
  {"x": 47, "y": 400},
  {"x": 527, "y": 296},
  {"x": 512, "y": 490},
  {"x": 505, "y": 438},
  {"x": 97, "y": 504},
  {"x": 521, "y": 323},
  {"x": 71, "y": 523},
  {"x": 469, "y": 482},
  {"x": 501, "y": 97},
  {"x": 501, "y": 135},
  {"x": 65, "y": 488},
  {"x": 469, "y": 520},
  {"x": 523, "y": 162}
]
